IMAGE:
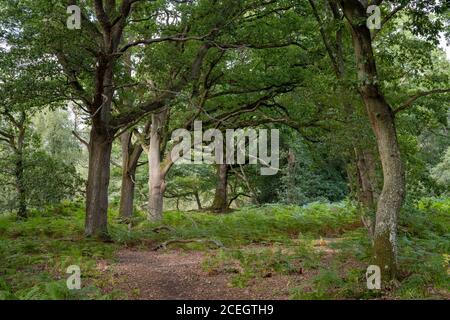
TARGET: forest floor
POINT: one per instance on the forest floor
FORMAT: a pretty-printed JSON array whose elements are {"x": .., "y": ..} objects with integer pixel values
[
  {"x": 319, "y": 251},
  {"x": 179, "y": 274}
]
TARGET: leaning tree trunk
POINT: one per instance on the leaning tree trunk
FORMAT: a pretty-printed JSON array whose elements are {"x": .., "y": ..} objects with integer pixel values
[
  {"x": 383, "y": 124},
  {"x": 156, "y": 176},
  {"x": 393, "y": 192},
  {"x": 197, "y": 199},
  {"x": 130, "y": 157},
  {"x": 220, "y": 203}
]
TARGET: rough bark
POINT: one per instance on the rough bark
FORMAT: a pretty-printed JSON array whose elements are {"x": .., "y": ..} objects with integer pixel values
[
  {"x": 220, "y": 203},
  {"x": 156, "y": 174},
  {"x": 130, "y": 156},
  {"x": 100, "y": 147},
  {"x": 393, "y": 192},
  {"x": 383, "y": 124}
]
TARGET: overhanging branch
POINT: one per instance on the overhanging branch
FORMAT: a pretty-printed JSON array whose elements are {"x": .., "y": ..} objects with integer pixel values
[{"x": 408, "y": 103}]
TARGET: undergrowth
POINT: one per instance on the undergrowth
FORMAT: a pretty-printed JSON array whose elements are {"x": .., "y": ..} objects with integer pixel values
[
  {"x": 266, "y": 224},
  {"x": 259, "y": 242},
  {"x": 424, "y": 247},
  {"x": 35, "y": 254}
]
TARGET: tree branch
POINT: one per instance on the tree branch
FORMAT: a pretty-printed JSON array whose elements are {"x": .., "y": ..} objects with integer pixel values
[
  {"x": 330, "y": 49},
  {"x": 80, "y": 138},
  {"x": 390, "y": 16},
  {"x": 159, "y": 102},
  {"x": 408, "y": 103},
  {"x": 177, "y": 37},
  {"x": 102, "y": 16}
]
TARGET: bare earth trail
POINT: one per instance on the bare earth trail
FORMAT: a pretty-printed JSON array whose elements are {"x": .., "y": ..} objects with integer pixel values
[{"x": 178, "y": 274}]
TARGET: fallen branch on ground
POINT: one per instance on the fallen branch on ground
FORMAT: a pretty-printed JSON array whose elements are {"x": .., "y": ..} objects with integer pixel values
[
  {"x": 158, "y": 229},
  {"x": 166, "y": 243}
]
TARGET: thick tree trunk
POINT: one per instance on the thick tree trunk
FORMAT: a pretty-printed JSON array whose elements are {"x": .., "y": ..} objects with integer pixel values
[
  {"x": 156, "y": 176},
  {"x": 130, "y": 157},
  {"x": 383, "y": 124},
  {"x": 100, "y": 147},
  {"x": 220, "y": 202},
  {"x": 393, "y": 192}
]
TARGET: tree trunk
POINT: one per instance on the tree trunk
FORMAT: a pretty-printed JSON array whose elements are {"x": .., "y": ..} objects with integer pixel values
[
  {"x": 19, "y": 173},
  {"x": 334, "y": 47},
  {"x": 220, "y": 203},
  {"x": 130, "y": 157},
  {"x": 393, "y": 192},
  {"x": 156, "y": 176},
  {"x": 21, "y": 193},
  {"x": 197, "y": 199},
  {"x": 383, "y": 124},
  {"x": 100, "y": 146},
  {"x": 367, "y": 194}
]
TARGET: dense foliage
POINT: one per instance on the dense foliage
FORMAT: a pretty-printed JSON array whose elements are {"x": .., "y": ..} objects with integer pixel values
[{"x": 88, "y": 116}]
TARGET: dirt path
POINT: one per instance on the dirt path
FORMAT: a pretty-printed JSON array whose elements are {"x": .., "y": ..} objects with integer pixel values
[{"x": 177, "y": 274}]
